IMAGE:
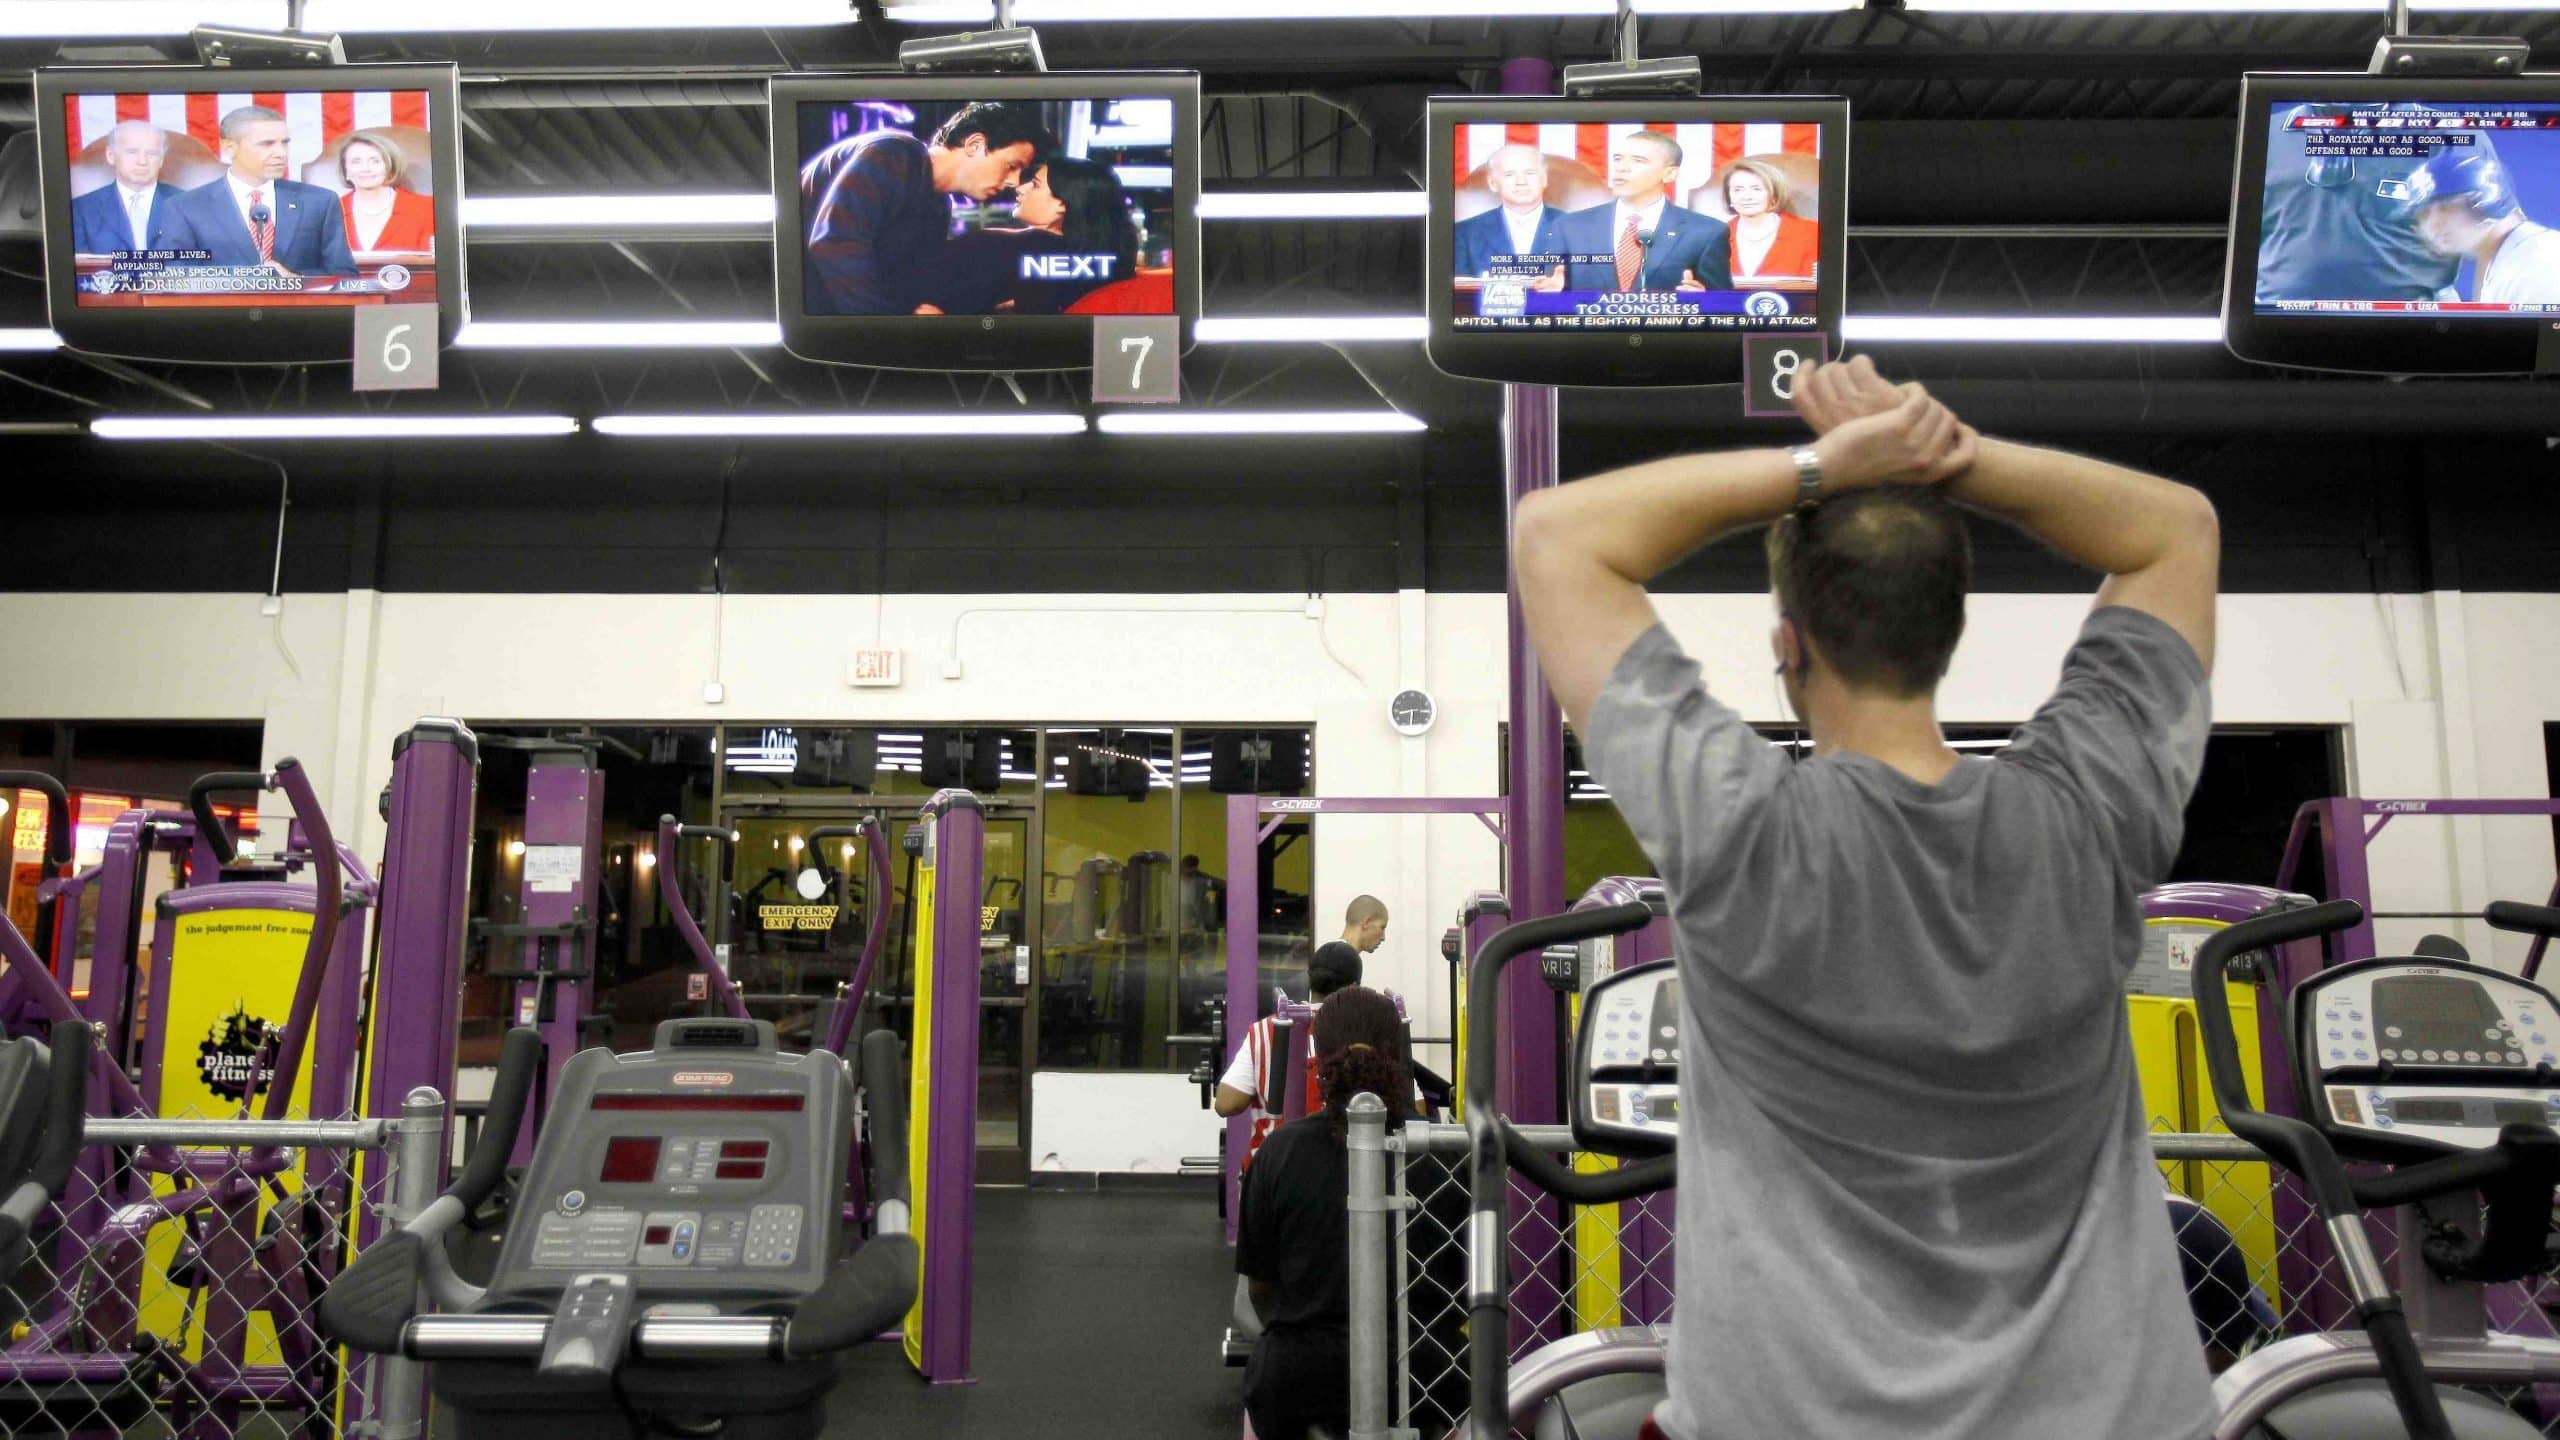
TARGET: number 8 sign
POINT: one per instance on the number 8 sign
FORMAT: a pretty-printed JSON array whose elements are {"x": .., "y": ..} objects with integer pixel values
[{"x": 1772, "y": 366}]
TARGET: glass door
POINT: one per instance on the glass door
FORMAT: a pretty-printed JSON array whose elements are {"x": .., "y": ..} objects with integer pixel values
[{"x": 795, "y": 927}]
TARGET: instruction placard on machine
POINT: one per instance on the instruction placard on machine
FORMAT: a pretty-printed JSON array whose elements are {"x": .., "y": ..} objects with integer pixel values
[
  {"x": 2167, "y": 966},
  {"x": 551, "y": 869}
]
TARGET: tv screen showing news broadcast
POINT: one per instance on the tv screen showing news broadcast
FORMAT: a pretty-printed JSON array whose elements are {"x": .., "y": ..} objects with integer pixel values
[
  {"x": 246, "y": 198},
  {"x": 1630, "y": 225},
  {"x": 2409, "y": 208},
  {"x": 988, "y": 206}
]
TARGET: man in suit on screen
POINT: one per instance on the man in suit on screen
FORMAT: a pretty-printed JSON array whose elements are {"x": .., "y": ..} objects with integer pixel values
[
  {"x": 1522, "y": 224},
  {"x": 1651, "y": 244},
  {"x": 254, "y": 216},
  {"x": 132, "y": 213}
]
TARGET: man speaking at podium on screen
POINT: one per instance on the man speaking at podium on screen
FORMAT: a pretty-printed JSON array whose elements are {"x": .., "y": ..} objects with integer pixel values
[
  {"x": 253, "y": 217},
  {"x": 1650, "y": 243}
]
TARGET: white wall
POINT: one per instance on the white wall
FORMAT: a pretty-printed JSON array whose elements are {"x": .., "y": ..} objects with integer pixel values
[{"x": 2441, "y": 694}]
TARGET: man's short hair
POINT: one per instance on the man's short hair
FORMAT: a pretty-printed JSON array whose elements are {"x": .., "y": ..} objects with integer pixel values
[
  {"x": 1363, "y": 909},
  {"x": 1669, "y": 146},
  {"x": 116, "y": 135},
  {"x": 246, "y": 116},
  {"x": 1876, "y": 580},
  {"x": 1002, "y": 124}
]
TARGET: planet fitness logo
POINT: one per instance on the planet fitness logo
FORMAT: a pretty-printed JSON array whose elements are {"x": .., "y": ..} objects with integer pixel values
[
  {"x": 1765, "y": 305},
  {"x": 238, "y": 1047}
]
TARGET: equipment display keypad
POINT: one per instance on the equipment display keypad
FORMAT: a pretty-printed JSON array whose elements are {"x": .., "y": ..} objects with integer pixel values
[
  {"x": 2430, "y": 1053},
  {"x": 1628, "y": 1057}
]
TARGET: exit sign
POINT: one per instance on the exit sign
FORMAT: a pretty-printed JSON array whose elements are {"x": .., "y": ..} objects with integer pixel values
[{"x": 873, "y": 667}]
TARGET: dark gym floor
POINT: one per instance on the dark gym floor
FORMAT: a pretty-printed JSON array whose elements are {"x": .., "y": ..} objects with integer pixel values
[{"x": 1098, "y": 1316}]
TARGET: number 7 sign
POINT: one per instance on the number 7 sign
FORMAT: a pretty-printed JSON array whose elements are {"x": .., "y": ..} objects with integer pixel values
[{"x": 1137, "y": 359}]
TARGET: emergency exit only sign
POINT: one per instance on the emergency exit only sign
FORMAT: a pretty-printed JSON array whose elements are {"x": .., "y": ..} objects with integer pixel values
[{"x": 872, "y": 667}]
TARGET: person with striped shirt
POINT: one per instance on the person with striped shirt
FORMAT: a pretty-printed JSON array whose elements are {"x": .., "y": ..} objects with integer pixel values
[{"x": 1252, "y": 1081}]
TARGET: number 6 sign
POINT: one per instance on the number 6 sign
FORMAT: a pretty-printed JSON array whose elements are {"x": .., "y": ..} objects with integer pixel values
[{"x": 395, "y": 347}]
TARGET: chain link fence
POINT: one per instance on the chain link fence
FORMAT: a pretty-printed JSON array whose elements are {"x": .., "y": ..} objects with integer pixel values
[
  {"x": 173, "y": 1289},
  {"x": 2258, "y": 1264}
]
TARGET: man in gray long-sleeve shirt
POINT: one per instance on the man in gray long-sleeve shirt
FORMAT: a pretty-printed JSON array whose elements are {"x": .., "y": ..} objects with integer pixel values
[{"x": 1915, "y": 1198}]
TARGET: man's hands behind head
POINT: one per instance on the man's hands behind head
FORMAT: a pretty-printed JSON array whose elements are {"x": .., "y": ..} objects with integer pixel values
[{"x": 1880, "y": 433}]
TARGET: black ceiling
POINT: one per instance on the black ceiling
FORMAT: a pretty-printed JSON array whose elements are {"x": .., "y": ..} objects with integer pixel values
[{"x": 2065, "y": 164}]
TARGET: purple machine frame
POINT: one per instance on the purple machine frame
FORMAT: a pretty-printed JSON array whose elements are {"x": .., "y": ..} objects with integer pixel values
[
  {"x": 92, "y": 1347},
  {"x": 417, "y": 985},
  {"x": 2344, "y": 835},
  {"x": 1246, "y": 830},
  {"x": 954, "y": 836}
]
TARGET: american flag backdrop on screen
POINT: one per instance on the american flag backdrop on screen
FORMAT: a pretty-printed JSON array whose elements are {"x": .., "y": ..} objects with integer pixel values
[
  {"x": 316, "y": 118},
  {"x": 1717, "y": 145}
]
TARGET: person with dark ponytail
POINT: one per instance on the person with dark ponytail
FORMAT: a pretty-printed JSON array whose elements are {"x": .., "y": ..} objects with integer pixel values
[{"x": 1292, "y": 1240}]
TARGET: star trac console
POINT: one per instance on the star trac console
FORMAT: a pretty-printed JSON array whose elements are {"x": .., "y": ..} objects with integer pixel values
[{"x": 708, "y": 1164}]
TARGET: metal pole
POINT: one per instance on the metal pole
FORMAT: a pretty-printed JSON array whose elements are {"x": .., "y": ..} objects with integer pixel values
[
  {"x": 2399, "y": 18},
  {"x": 400, "y": 1391},
  {"x": 1367, "y": 1139},
  {"x": 1627, "y": 30}
]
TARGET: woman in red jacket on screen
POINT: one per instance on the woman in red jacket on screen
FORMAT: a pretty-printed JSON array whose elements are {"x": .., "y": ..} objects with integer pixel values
[
  {"x": 1772, "y": 248},
  {"x": 381, "y": 215}
]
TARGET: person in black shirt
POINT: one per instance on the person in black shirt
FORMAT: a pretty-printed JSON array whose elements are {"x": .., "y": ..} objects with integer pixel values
[
  {"x": 1068, "y": 208},
  {"x": 2330, "y": 227},
  {"x": 878, "y": 203},
  {"x": 1292, "y": 1237}
]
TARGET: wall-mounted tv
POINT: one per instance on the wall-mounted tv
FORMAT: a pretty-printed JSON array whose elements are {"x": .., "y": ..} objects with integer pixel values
[
  {"x": 1631, "y": 241},
  {"x": 981, "y": 222},
  {"x": 231, "y": 216},
  {"x": 2395, "y": 225}
]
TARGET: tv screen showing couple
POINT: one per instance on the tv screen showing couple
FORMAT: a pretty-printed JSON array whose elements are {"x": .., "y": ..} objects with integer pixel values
[{"x": 988, "y": 207}]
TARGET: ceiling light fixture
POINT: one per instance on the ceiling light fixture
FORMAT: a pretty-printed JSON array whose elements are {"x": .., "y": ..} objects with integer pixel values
[
  {"x": 1318, "y": 329},
  {"x": 604, "y": 211},
  {"x": 29, "y": 338},
  {"x": 2035, "y": 329},
  {"x": 1314, "y": 205},
  {"x": 1261, "y": 422},
  {"x": 328, "y": 427},
  {"x": 966, "y": 423},
  {"x": 616, "y": 334},
  {"x": 382, "y": 17}
]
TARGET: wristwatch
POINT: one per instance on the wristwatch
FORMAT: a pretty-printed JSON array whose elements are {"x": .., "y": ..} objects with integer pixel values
[{"x": 1808, "y": 463}]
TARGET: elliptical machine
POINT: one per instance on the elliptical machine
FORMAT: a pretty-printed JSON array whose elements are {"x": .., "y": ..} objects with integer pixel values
[
  {"x": 675, "y": 1259},
  {"x": 2447, "y": 1073},
  {"x": 2465, "y": 1125}
]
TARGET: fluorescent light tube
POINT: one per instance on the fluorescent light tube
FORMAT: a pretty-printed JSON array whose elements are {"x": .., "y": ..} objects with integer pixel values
[
  {"x": 1260, "y": 422},
  {"x": 1305, "y": 205},
  {"x": 379, "y": 17},
  {"x": 29, "y": 339},
  {"x": 327, "y": 427},
  {"x": 2071, "y": 329},
  {"x": 499, "y": 211},
  {"x": 966, "y": 423},
  {"x": 616, "y": 334},
  {"x": 123, "y": 19},
  {"x": 1247, "y": 330}
]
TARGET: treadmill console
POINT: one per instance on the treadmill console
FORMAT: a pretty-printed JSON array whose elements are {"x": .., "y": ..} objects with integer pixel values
[
  {"x": 709, "y": 1164},
  {"x": 1626, "y": 1063},
  {"x": 2425, "y": 1056}
]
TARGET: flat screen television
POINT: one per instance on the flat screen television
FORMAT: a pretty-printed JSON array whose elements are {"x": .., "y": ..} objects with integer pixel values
[
  {"x": 1631, "y": 241},
  {"x": 2396, "y": 225},
  {"x": 239, "y": 216},
  {"x": 982, "y": 222}
]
